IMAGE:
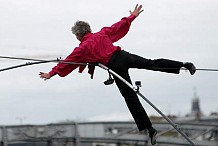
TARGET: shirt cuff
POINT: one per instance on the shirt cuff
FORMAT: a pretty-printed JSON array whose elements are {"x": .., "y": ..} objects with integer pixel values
[
  {"x": 131, "y": 17},
  {"x": 52, "y": 73}
]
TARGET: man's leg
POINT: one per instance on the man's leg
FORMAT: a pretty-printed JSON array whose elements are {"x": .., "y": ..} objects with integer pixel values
[
  {"x": 163, "y": 65},
  {"x": 120, "y": 63},
  {"x": 140, "y": 116}
]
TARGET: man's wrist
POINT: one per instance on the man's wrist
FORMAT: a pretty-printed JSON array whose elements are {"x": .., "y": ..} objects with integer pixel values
[
  {"x": 132, "y": 17},
  {"x": 52, "y": 73}
]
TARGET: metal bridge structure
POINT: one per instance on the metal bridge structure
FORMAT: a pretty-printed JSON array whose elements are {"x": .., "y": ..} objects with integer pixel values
[{"x": 107, "y": 134}]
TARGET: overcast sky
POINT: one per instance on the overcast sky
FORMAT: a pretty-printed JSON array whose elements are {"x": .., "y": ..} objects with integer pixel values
[{"x": 183, "y": 30}]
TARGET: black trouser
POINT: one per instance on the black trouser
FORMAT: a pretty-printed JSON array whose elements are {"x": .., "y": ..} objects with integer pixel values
[{"x": 120, "y": 62}]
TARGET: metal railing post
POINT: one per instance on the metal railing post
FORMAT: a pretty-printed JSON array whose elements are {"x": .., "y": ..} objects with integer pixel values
[{"x": 77, "y": 136}]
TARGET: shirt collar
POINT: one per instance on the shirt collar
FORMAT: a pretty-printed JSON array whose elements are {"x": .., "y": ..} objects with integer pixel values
[{"x": 87, "y": 35}]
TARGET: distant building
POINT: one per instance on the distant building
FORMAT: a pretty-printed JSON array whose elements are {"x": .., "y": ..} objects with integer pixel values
[{"x": 195, "y": 109}]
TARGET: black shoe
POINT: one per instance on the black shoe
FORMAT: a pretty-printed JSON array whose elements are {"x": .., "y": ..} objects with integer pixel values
[
  {"x": 152, "y": 134},
  {"x": 109, "y": 81},
  {"x": 190, "y": 67}
]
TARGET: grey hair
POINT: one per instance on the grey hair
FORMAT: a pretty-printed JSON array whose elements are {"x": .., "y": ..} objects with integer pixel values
[{"x": 81, "y": 28}]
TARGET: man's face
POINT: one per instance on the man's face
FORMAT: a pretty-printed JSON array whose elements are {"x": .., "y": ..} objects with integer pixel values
[{"x": 78, "y": 37}]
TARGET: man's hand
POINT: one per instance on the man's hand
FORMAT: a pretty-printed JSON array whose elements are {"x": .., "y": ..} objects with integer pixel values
[
  {"x": 44, "y": 76},
  {"x": 137, "y": 10}
]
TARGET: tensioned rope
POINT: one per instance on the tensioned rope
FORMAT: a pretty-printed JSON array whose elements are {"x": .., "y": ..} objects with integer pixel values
[
  {"x": 36, "y": 61},
  {"x": 58, "y": 60},
  {"x": 31, "y": 59}
]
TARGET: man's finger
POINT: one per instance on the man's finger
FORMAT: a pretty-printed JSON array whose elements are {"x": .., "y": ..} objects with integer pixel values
[
  {"x": 136, "y": 6},
  {"x": 141, "y": 11},
  {"x": 40, "y": 73}
]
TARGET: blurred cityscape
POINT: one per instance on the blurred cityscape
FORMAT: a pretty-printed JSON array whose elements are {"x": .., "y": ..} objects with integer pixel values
[{"x": 201, "y": 129}]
